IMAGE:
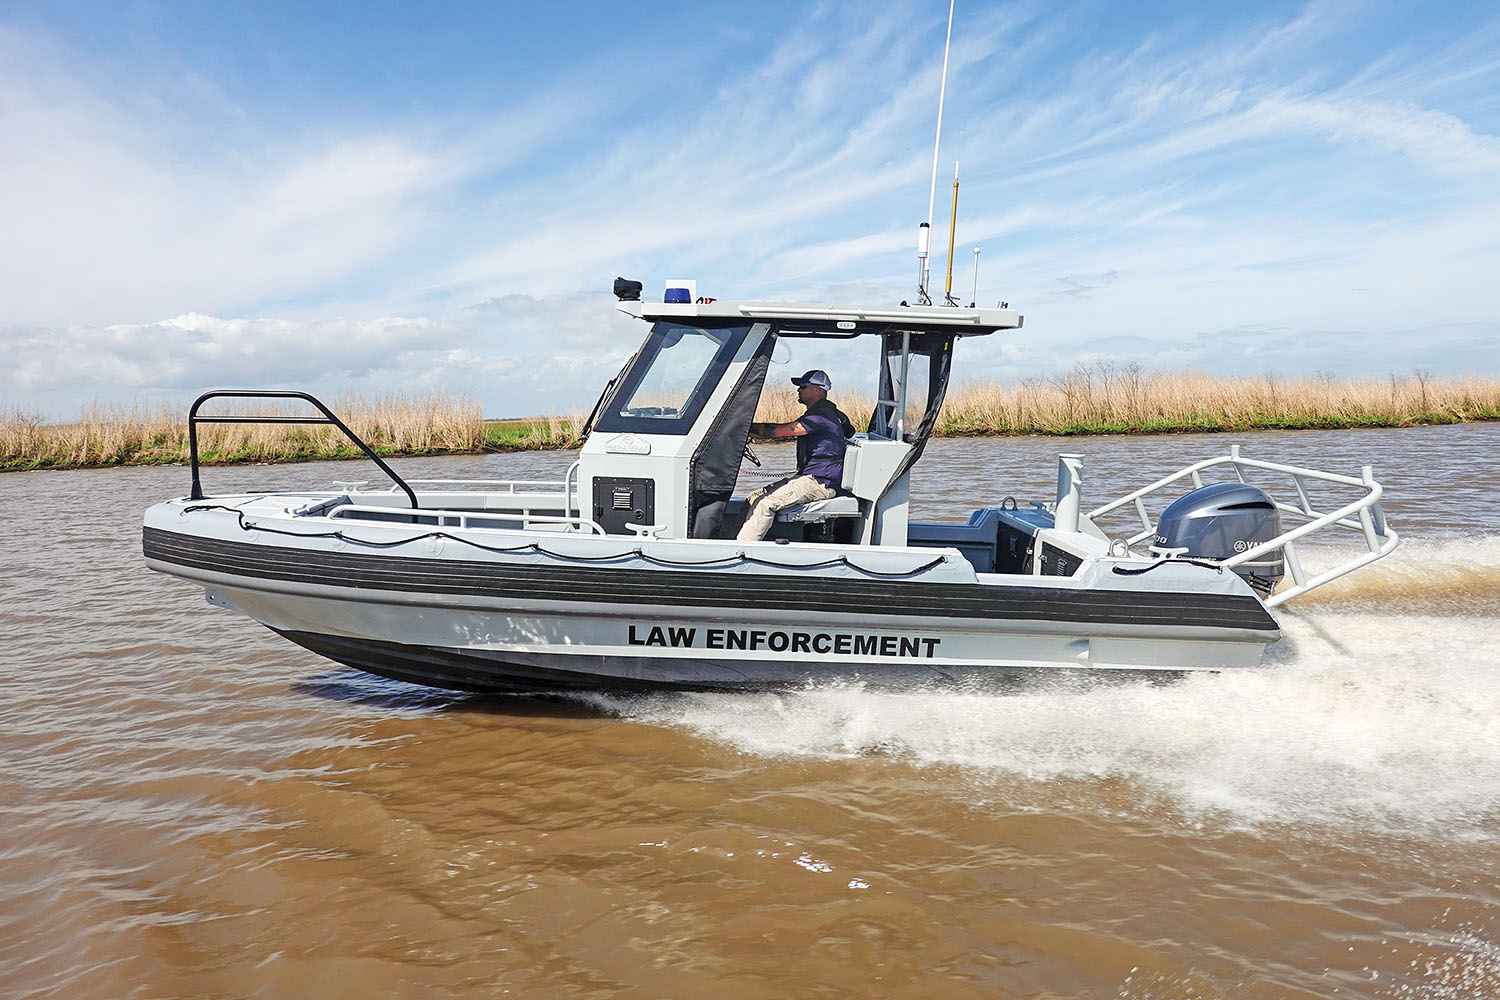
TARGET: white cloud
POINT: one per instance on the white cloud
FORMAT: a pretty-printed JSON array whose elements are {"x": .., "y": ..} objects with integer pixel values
[
  {"x": 193, "y": 350},
  {"x": 101, "y": 226},
  {"x": 1440, "y": 142},
  {"x": 516, "y": 355},
  {"x": 117, "y": 211}
]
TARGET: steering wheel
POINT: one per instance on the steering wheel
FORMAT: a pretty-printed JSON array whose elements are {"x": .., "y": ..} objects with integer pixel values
[{"x": 750, "y": 454}]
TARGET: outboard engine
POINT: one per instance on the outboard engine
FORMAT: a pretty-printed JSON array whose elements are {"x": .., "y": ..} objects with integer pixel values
[{"x": 1220, "y": 521}]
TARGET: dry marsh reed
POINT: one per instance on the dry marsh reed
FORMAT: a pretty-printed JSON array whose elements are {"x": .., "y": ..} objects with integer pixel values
[
  {"x": 780, "y": 407},
  {"x": 103, "y": 435},
  {"x": 1109, "y": 399},
  {"x": 1086, "y": 399}
]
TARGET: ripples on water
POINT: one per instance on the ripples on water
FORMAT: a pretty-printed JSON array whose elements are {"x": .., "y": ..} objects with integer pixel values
[{"x": 194, "y": 807}]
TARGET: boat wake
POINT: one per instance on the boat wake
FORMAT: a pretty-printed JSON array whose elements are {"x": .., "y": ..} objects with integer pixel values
[
  {"x": 1376, "y": 711},
  {"x": 1455, "y": 576}
]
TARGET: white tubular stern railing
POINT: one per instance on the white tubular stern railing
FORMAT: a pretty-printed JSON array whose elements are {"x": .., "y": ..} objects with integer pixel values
[{"x": 1363, "y": 515}]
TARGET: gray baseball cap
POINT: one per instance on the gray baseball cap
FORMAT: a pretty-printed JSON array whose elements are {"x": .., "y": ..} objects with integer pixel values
[{"x": 817, "y": 377}]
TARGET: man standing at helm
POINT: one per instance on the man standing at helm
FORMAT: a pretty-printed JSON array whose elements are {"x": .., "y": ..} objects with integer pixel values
[{"x": 822, "y": 434}]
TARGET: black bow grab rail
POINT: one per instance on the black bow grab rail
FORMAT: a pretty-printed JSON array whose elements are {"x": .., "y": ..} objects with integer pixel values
[{"x": 327, "y": 418}]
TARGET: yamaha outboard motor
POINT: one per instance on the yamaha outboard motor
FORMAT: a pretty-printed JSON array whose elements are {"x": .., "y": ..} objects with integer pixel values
[{"x": 1221, "y": 521}]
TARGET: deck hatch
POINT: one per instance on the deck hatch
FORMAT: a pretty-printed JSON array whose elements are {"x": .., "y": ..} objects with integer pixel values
[{"x": 620, "y": 502}]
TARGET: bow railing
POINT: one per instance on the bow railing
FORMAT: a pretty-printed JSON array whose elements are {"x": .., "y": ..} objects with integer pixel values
[{"x": 328, "y": 417}]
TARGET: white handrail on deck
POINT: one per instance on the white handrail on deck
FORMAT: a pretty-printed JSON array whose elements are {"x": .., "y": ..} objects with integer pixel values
[
  {"x": 461, "y": 518},
  {"x": 510, "y": 485},
  {"x": 569, "y": 489},
  {"x": 1364, "y": 515}
]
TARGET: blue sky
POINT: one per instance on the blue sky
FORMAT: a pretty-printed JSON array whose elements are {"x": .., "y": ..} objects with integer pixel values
[{"x": 378, "y": 197}]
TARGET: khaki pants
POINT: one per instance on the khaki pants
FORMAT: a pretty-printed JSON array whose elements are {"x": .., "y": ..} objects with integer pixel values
[{"x": 762, "y": 505}]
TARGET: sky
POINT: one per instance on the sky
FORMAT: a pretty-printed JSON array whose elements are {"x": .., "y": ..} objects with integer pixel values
[{"x": 396, "y": 197}]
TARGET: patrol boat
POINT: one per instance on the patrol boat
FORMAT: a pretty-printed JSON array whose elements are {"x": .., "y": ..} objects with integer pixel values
[{"x": 626, "y": 574}]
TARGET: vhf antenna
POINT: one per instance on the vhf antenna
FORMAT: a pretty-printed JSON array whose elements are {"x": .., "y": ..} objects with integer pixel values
[
  {"x": 952, "y": 229},
  {"x": 924, "y": 231}
]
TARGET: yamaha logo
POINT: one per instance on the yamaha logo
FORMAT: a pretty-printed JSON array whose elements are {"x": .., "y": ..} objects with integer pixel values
[{"x": 1241, "y": 545}]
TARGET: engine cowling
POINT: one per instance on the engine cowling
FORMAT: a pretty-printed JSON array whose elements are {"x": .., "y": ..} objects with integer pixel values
[{"x": 1221, "y": 520}]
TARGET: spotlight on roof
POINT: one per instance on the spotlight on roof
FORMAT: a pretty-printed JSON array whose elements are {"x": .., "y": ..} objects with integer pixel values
[{"x": 627, "y": 290}]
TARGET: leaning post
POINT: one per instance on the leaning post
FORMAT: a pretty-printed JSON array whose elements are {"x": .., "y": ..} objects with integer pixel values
[{"x": 1069, "y": 491}]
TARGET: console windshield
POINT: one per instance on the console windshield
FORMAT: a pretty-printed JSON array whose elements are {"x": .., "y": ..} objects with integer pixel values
[{"x": 672, "y": 378}]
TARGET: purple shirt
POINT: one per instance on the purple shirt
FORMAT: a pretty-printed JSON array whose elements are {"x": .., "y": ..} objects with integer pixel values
[{"x": 820, "y": 452}]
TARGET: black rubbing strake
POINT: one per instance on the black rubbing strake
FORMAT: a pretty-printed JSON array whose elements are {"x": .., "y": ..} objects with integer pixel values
[{"x": 743, "y": 591}]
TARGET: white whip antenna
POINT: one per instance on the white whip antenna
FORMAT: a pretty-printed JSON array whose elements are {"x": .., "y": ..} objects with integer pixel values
[
  {"x": 924, "y": 231},
  {"x": 942, "y": 92}
]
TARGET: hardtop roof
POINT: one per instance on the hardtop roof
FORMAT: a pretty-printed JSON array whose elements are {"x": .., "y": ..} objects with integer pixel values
[{"x": 812, "y": 318}]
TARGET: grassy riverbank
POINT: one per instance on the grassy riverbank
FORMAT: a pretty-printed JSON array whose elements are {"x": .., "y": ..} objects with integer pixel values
[
  {"x": 1098, "y": 399},
  {"x": 533, "y": 433}
]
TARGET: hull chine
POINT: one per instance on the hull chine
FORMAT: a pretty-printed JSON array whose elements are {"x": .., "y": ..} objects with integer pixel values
[{"x": 520, "y": 672}]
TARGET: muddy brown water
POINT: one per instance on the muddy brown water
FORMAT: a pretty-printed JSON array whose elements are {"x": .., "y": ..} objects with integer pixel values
[{"x": 193, "y": 807}]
